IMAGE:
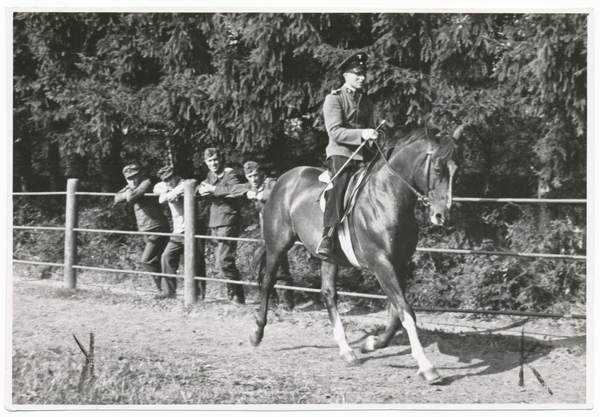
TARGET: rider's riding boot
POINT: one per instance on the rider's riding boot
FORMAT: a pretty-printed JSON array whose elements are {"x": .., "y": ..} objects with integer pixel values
[{"x": 326, "y": 245}]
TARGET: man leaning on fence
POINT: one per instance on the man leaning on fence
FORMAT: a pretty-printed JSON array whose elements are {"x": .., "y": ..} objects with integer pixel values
[
  {"x": 225, "y": 218},
  {"x": 149, "y": 215},
  {"x": 258, "y": 189},
  {"x": 171, "y": 191}
]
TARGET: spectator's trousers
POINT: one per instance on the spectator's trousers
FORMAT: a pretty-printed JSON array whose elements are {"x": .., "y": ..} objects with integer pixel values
[
  {"x": 225, "y": 257},
  {"x": 171, "y": 258},
  {"x": 151, "y": 257}
]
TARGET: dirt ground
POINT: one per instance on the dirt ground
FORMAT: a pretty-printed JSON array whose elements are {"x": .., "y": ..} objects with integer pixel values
[{"x": 478, "y": 358}]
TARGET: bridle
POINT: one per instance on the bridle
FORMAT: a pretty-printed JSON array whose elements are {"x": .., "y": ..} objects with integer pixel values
[{"x": 422, "y": 198}]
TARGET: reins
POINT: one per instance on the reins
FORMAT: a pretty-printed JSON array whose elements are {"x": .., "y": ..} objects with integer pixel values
[{"x": 422, "y": 198}]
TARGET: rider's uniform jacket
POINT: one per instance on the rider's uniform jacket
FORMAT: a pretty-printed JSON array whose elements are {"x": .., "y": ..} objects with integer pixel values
[
  {"x": 347, "y": 112},
  {"x": 224, "y": 209}
]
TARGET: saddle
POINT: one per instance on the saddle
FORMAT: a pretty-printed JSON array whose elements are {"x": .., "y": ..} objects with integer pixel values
[{"x": 343, "y": 230}]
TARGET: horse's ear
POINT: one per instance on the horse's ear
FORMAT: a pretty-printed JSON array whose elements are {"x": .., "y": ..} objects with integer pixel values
[{"x": 459, "y": 131}]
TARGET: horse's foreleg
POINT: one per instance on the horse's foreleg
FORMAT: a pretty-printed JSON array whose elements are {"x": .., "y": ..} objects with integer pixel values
[
  {"x": 372, "y": 343},
  {"x": 426, "y": 369},
  {"x": 329, "y": 294},
  {"x": 267, "y": 284}
]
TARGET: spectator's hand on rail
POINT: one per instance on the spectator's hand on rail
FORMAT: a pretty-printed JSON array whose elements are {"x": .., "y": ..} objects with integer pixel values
[
  {"x": 206, "y": 189},
  {"x": 160, "y": 188}
]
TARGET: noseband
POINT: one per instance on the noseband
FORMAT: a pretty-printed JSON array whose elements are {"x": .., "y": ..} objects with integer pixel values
[{"x": 422, "y": 198}]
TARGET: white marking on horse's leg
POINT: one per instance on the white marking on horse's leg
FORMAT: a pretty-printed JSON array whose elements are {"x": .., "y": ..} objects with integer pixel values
[
  {"x": 417, "y": 349},
  {"x": 369, "y": 344},
  {"x": 340, "y": 337}
]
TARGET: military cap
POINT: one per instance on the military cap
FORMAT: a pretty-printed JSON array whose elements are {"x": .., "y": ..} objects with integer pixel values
[
  {"x": 210, "y": 152},
  {"x": 354, "y": 63},
  {"x": 251, "y": 166},
  {"x": 131, "y": 170},
  {"x": 165, "y": 172}
]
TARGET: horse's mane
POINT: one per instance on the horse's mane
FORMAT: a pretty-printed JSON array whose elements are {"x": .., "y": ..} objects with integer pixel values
[{"x": 445, "y": 146}]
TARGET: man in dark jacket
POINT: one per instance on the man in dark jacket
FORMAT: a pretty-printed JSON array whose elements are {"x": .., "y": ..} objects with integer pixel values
[
  {"x": 224, "y": 221},
  {"x": 149, "y": 215},
  {"x": 349, "y": 121}
]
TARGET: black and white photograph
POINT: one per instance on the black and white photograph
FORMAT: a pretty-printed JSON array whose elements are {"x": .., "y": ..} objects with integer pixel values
[{"x": 298, "y": 209}]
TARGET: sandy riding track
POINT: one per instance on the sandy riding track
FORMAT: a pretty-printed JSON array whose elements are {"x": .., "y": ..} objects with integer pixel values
[{"x": 159, "y": 352}]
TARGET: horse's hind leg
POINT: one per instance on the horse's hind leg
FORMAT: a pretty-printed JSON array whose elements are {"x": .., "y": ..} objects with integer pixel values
[
  {"x": 329, "y": 294},
  {"x": 372, "y": 343},
  {"x": 267, "y": 285}
]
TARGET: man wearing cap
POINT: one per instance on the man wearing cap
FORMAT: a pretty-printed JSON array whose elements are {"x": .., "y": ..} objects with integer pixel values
[
  {"x": 149, "y": 216},
  {"x": 258, "y": 189},
  {"x": 222, "y": 187},
  {"x": 171, "y": 191},
  {"x": 349, "y": 121}
]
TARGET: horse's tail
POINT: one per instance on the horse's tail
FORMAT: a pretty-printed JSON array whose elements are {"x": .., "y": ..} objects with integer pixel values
[{"x": 259, "y": 262}]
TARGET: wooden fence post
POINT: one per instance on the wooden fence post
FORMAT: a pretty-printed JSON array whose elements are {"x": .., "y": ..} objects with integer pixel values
[
  {"x": 71, "y": 217},
  {"x": 189, "y": 252}
]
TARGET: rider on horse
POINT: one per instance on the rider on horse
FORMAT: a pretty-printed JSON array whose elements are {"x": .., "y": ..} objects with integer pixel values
[{"x": 349, "y": 121}]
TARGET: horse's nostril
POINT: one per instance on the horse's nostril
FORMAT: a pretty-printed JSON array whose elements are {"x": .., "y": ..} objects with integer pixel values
[{"x": 440, "y": 218}]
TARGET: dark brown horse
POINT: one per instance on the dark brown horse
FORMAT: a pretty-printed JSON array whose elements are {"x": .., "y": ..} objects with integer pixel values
[{"x": 417, "y": 166}]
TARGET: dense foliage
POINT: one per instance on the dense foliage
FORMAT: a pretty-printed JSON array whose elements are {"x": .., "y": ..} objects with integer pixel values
[{"x": 95, "y": 91}]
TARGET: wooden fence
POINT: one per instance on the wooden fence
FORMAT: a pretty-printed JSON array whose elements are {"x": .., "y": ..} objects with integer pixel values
[{"x": 189, "y": 274}]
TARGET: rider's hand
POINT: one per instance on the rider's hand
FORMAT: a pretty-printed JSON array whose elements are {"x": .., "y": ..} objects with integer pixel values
[
  {"x": 251, "y": 195},
  {"x": 369, "y": 134}
]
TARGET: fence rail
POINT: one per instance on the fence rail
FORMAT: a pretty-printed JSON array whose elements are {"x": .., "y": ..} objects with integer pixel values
[
  {"x": 520, "y": 200},
  {"x": 252, "y": 240},
  {"x": 190, "y": 291},
  {"x": 316, "y": 290}
]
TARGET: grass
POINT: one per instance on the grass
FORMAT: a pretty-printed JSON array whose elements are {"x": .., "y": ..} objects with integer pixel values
[
  {"x": 52, "y": 378},
  {"x": 51, "y": 373}
]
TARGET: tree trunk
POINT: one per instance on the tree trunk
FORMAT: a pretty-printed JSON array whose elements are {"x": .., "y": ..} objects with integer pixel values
[
  {"x": 544, "y": 213},
  {"x": 76, "y": 166},
  {"x": 22, "y": 167},
  {"x": 182, "y": 153},
  {"x": 53, "y": 164},
  {"x": 111, "y": 164}
]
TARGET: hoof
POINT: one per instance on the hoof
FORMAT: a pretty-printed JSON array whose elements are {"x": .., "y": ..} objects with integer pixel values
[
  {"x": 349, "y": 358},
  {"x": 431, "y": 376},
  {"x": 368, "y": 345},
  {"x": 256, "y": 336}
]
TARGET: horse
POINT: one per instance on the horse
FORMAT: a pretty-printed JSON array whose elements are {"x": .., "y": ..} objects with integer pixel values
[{"x": 420, "y": 165}]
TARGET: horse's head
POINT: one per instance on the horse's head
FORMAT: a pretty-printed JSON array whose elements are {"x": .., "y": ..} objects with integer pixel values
[
  {"x": 427, "y": 163},
  {"x": 437, "y": 177}
]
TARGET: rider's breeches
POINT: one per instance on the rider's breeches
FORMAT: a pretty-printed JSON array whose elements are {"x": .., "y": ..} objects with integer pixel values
[{"x": 334, "y": 197}]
